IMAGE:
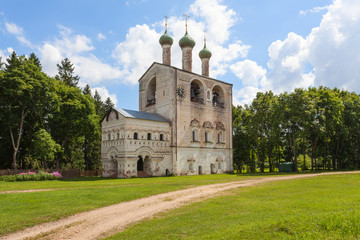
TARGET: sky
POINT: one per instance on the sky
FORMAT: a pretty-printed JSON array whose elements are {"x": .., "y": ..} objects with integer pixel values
[{"x": 261, "y": 45}]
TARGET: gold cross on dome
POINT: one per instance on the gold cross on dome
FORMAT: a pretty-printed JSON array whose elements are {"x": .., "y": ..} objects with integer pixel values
[
  {"x": 166, "y": 17},
  {"x": 186, "y": 18},
  {"x": 204, "y": 37}
]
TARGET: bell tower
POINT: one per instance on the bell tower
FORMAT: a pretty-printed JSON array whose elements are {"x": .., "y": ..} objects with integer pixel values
[{"x": 199, "y": 108}]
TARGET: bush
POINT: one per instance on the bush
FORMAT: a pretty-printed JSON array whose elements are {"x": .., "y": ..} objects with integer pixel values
[{"x": 31, "y": 176}]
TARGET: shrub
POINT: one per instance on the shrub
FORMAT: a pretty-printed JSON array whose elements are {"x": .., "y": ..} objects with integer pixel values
[{"x": 31, "y": 176}]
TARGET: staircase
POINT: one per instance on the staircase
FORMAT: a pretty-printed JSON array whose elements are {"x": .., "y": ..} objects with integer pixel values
[{"x": 142, "y": 174}]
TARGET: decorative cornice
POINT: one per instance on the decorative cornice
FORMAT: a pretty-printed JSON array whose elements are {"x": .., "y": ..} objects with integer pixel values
[
  {"x": 208, "y": 124},
  {"x": 220, "y": 126},
  {"x": 195, "y": 123}
]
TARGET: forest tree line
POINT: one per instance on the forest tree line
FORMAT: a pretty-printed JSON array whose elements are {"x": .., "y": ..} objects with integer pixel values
[
  {"x": 314, "y": 128},
  {"x": 47, "y": 122}
]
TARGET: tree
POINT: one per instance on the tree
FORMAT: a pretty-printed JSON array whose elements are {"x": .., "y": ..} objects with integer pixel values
[
  {"x": 66, "y": 73},
  {"x": 24, "y": 93},
  {"x": 99, "y": 109},
  {"x": 74, "y": 119},
  {"x": 87, "y": 90},
  {"x": 265, "y": 123},
  {"x": 108, "y": 104},
  {"x": 44, "y": 147},
  {"x": 35, "y": 60}
]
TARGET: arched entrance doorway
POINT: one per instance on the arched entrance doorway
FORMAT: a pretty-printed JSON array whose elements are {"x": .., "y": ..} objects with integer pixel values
[
  {"x": 200, "y": 170},
  {"x": 140, "y": 164},
  {"x": 212, "y": 168}
]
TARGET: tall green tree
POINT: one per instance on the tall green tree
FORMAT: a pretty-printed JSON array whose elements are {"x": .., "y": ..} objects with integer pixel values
[
  {"x": 74, "y": 119},
  {"x": 99, "y": 105},
  {"x": 87, "y": 90},
  {"x": 108, "y": 104},
  {"x": 66, "y": 73},
  {"x": 35, "y": 60},
  {"x": 25, "y": 93}
]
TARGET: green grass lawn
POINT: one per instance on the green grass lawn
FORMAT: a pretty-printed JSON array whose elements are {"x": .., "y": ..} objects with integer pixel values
[
  {"x": 325, "y": 207},
  {"x": 21, "y": 210}
]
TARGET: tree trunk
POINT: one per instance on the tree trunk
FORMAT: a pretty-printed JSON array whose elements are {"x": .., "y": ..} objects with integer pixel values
[
  {"x": 304, "y": 152},
  {"x": 17, "y": 145},
  {"x": 294, "y": 146},
  {"x": 313, "y": 154}
]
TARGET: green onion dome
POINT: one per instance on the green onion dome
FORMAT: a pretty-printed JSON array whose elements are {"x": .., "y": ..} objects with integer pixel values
[
  {"x": 186, "y": 41},
  {"x": 205, "y": 53},
  {"x": 166, "y": 39}
]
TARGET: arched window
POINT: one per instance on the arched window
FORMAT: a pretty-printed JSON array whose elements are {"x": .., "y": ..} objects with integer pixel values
[
  {"x": 219, "y": 138},
  {"x": 191, "y": 167},
  {"x": 151, "y": 92},
  {"x": 109, "y": 136},
  {"x": 135, "y": 135},
  {"x": 207, "y": 137},
  {"x": 195, "y": 136},
  {"x": 161, "y": 137},
  {"x": 149, "y": 136},
  {"x": 218, "y": 97},
  {"x": 118, "y": 135},
  {"x": 197, "y": 92}
]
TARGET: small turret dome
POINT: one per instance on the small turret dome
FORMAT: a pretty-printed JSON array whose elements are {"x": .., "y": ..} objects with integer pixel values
[
  {"x": 205, "y": 53},
  {"x": 186, "y": 41},
  {"x": 166, "y": 39}
]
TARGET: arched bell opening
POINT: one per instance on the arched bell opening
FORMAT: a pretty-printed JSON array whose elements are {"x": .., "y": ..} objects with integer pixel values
[
  {"x": 197, "y": 91},
  {"x": 151, "y": 93},
  {"x": 218, "y": 97}
]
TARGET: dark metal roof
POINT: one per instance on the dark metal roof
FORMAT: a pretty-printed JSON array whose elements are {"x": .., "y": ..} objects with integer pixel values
[{"x": 141, "y": 115}]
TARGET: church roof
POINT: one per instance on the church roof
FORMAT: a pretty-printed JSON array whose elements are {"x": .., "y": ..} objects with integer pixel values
[{"x": 141, "y": 115}]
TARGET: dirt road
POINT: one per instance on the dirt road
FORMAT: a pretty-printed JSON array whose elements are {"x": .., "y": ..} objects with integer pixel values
[{"x": 109, "y": 220}]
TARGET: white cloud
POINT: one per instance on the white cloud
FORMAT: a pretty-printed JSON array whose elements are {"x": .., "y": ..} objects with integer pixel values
[
  {"x": 245, "y": 95},
  {"x": 249, "y": 72},
  {"x": 18, "y": 31},
  {"x": 2, "y": 56},
  {"x": 78, "y": 49},
  {"x": 137, "y": 52},
  {"x": 9, "y": 50},
  {"x": 14, "y": 29},
  {"x": 101, "y": 36},
  {"x": 217, "y": 17},
  {"x": 287, "y": 63},
  {"x": 104, "y": 94},
  {"x": 50, "y": 56},
  {"x": 141, "y": 47},
  {"x": 313, "y": 10},
  {"x": 253, "y": 78},
  {"x": 334, "y": 46},
  {"x": 93, "y": 70}
]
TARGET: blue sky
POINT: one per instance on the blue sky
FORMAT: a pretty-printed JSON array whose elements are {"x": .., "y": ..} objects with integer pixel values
[{"x": 257, "y": 45}]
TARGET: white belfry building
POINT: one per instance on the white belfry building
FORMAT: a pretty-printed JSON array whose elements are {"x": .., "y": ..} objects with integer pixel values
[{"x": 184, "y": 126}]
